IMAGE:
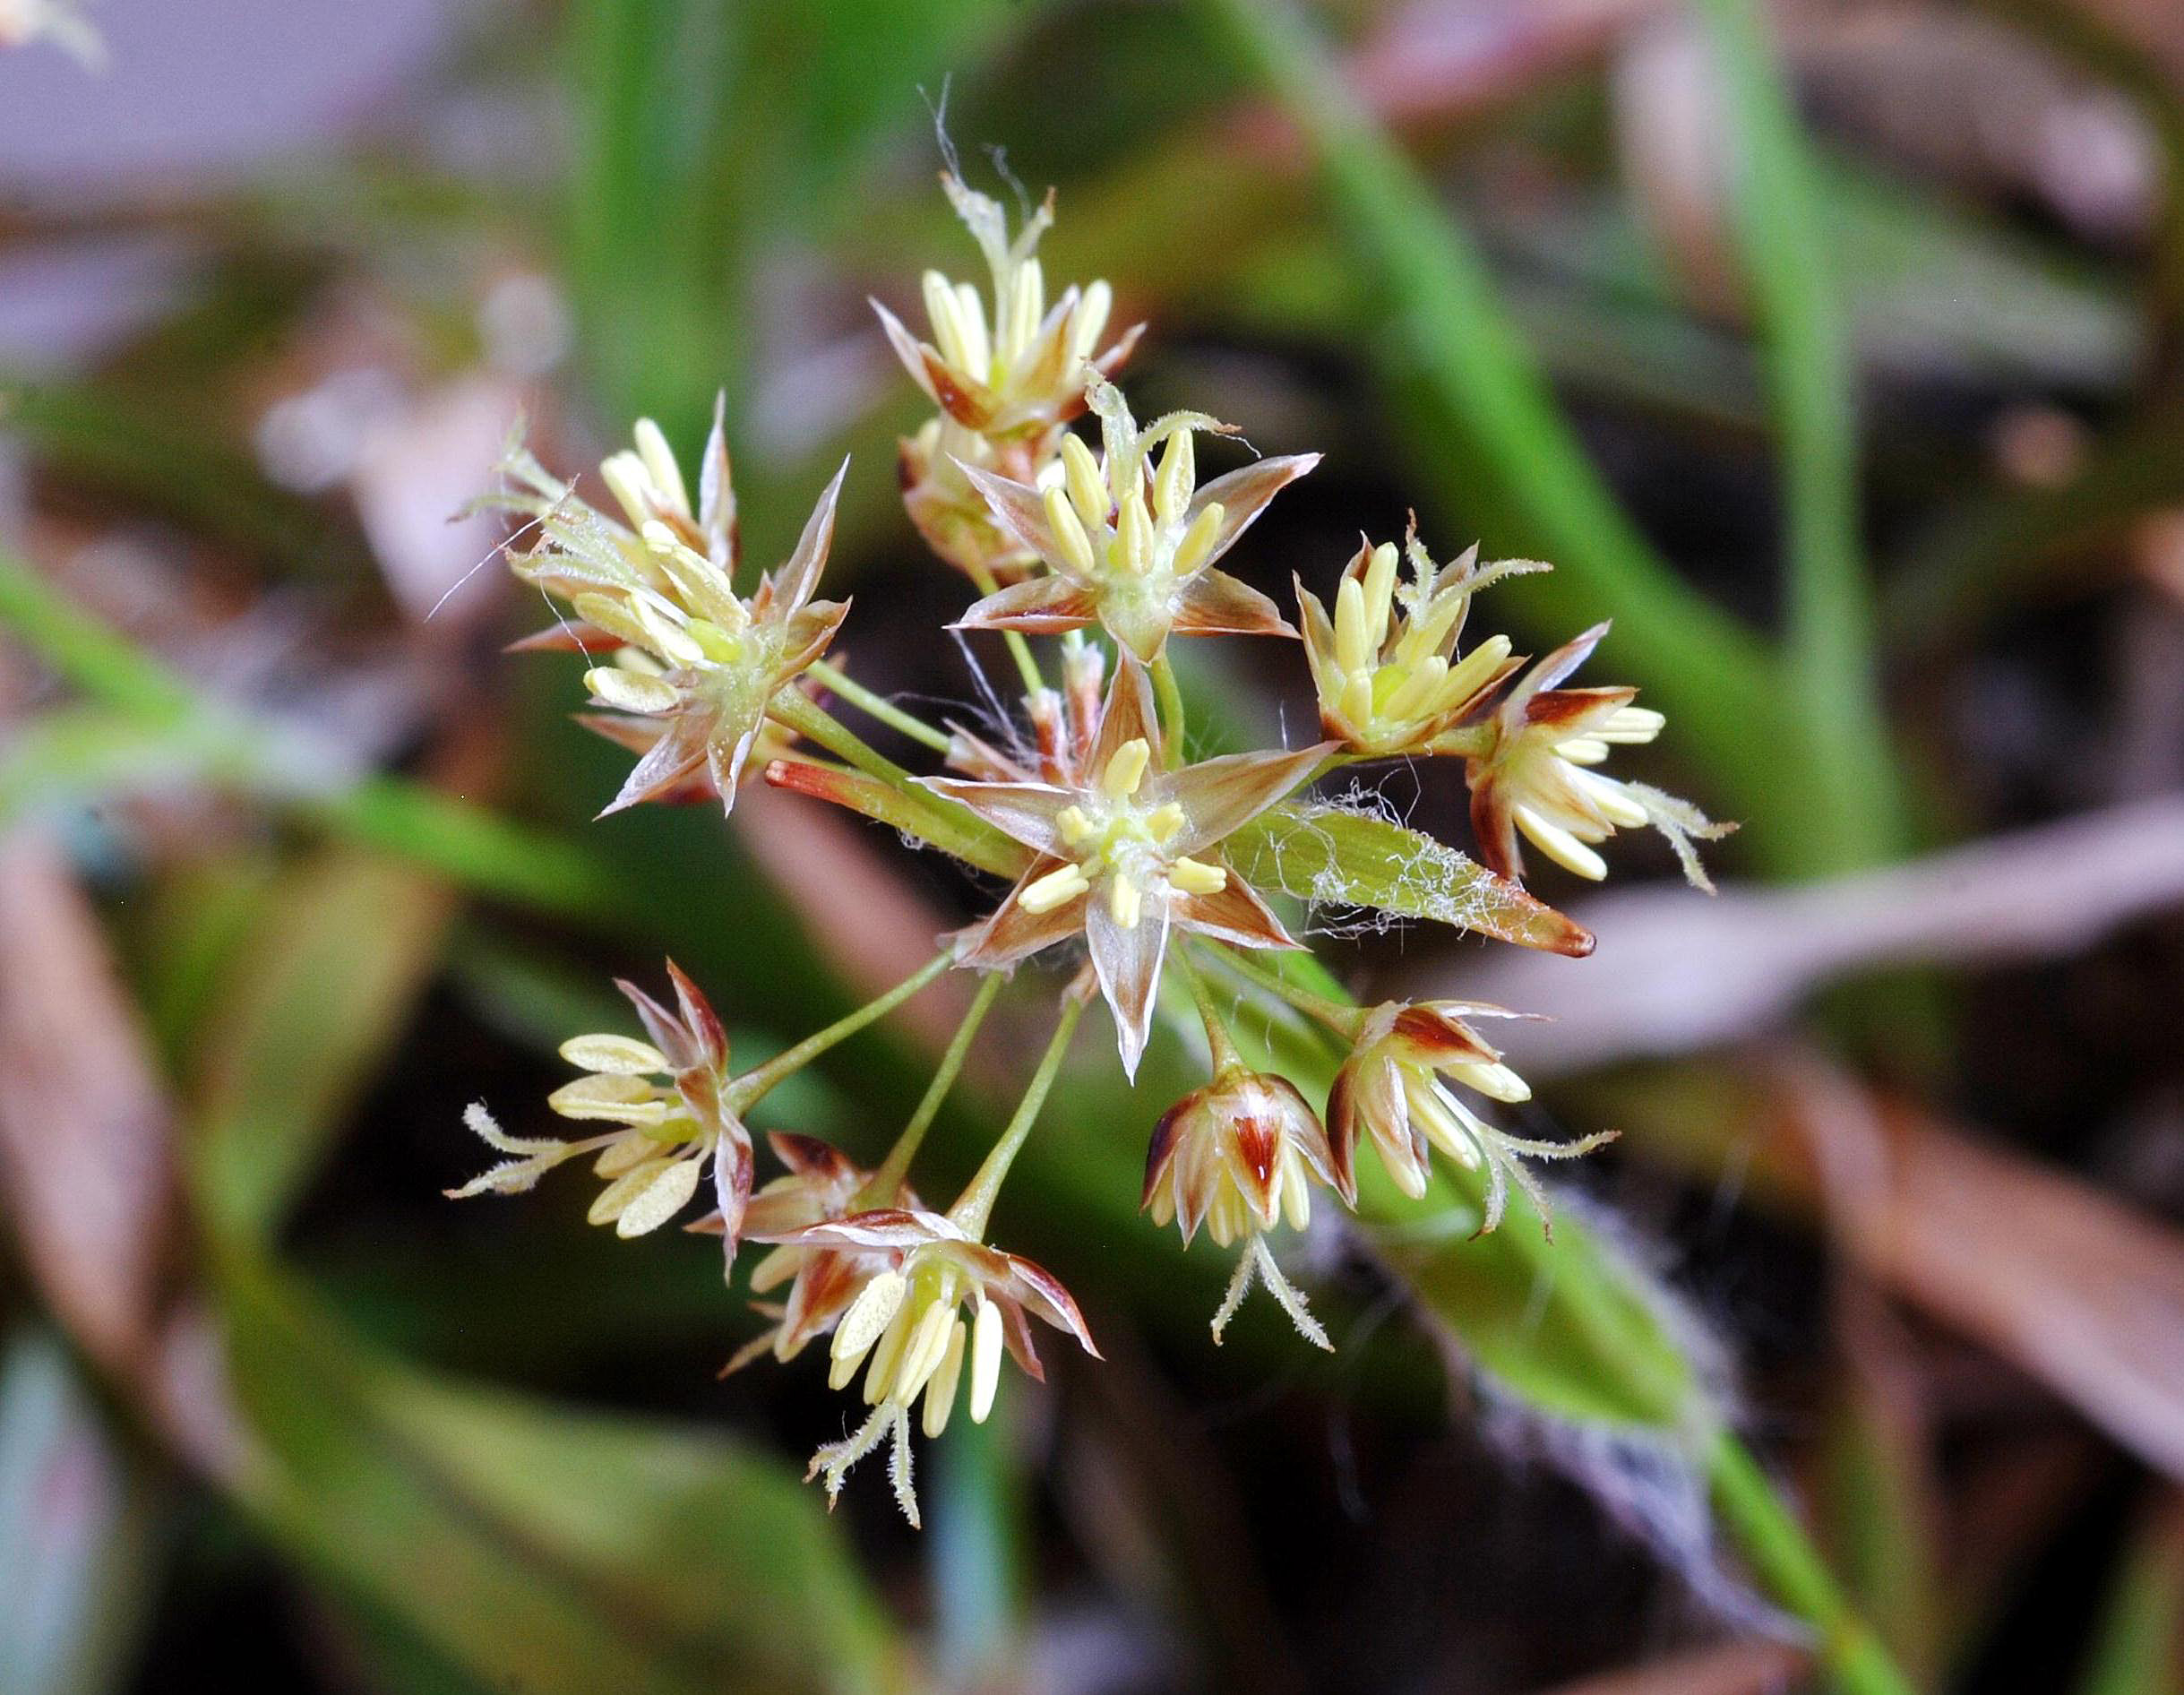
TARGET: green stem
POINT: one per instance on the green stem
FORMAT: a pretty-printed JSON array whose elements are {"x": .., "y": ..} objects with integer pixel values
[
  {"x": 879, "y": 707},
  {"x": 1220, "y": 1044},
  {"x": 796, "y": 710},
  {"x": 880, "y": 1190},
  {"x": 1785, "y": 1560},
  {"x": 1337, "y": 1018},
  {"x": 1171, "y": 699},
  {"x": 751, "y": 1088},
  {"x": 975, "y": 1206}
]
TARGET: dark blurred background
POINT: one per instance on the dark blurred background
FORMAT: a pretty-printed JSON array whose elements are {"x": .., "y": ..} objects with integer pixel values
[{"x": 1831, "y": 348}]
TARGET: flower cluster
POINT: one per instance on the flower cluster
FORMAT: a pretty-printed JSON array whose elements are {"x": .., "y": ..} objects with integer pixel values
[{"x": 1157, "y": 874}]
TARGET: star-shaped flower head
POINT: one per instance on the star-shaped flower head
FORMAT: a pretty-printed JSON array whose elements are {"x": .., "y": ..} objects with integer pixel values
[
  {"x": 657, "y": 594},
  {"x": 1534, "y": 774},
  {"x": 1385, "y": 666},
  {"x": 667, "y": 1100},
  {"x": 1238, "y": 1156},
  {"x": 1131, "y": 543},
  {"x": 1127, "y": 851},
  {"x": 903, "y": 1327},
  {"x": 1006, "y": 383}
]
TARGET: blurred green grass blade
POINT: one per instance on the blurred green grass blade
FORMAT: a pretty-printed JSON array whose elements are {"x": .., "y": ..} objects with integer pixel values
[
  {"x": 75, "y": 755},
  {"x": 565, "y": 1552},
  {"x": 658, "y": 237},
  {"x": 1455, "y": 345},
  {"x": 299, "y": 1026},
  {"x": 1787, "y": 247},
  {"x": 979, "y": 1551},
  {"x": 2139, "y": 1643},
  {"x": 1784, "y": 1557},
  {"x": 78, "y": 1526},
  {"x": 486, "y": 852},
  {"x": 1876, "y": 1509}
]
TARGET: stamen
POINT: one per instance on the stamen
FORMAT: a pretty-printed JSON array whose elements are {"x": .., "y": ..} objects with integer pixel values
[
  {"x": 986, "y": 1359},
  {"x": 1164, "y": 820},
  {"x": 1125, "y": 903},
  {"x": 941, "y": 1390},
  {"x": 1352, "y": 651},
  {"x": 1088, "y": 491},
  {"x": 1195, "y": 877},
  {"x": 1069, "y": 533},
  {"x": 1559, "y": 845},
  {"x": 1056, "y": 888},
  {"x": 659, "y": 465},
  {"x": 1178, "y": 476},
  {"x": 1090, "y": 319},
  {"x": 1192, "y": 550},
  {"x": 1126, "y": 768},
  {"x": 1379, "y": 592}
]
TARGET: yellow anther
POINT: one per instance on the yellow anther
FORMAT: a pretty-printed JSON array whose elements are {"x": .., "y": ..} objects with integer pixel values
[
  {"x": 1195, "y": 877},
  {"x": 1427, "y": 633},
  {"x": 986, "y": 1359},
  {"x": 1055, "y": 889},
  {"x": 1069, "y": 534},
  {"x": 970, "y": 325},
  {"x": 1416, "y": 691},
  {"x": 660, "y": 467},
  {"x": 1354, "y": 650},
  {"x": 1164, "y": 820},
  {"x": 1558, "y": 845},
  {"x": 1027, "y": 305},
  {"x": 1074, "y": 826},
  {"x": 1091, "y": 318},
  {"x": 1469, "y": 674},
  {"x": 947, "y": 314},
  {"x": 1133, "y": 534},
  {"x": 1632, "y": 724},
  {"x": 1125, "y": 903},
  {"x": 1197, "y": 545},
  {"x": 1126, "y": 768},
  {"x": 1088, "y": 491},
  {"x": 626, "y": 477},
  {"x": 1379, "y": 592},
  {"x": 1172, "y": 488},
  {"x": 940, "y": 1392},
  {"x": 1357, "y": 698},
  {"x": 658, "y": 537}
]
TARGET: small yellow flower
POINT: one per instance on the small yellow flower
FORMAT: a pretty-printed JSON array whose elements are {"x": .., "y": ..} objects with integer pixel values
[
  {"x": 1006, "y": 377},
  {"x": 1130, "y": 537},
  {"x": 933, "y": 1306},
  {"x": 1394, "y": 1088},
  {"x": 1386, "y": 666},
  {"x": 667, "y": 1099},
  {"x": 1531, "y": 770},
  {"x": 1127, "y": 850},
  {"x": 654, "y": 599},
  {"x": 1240, "y": 1156}
]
